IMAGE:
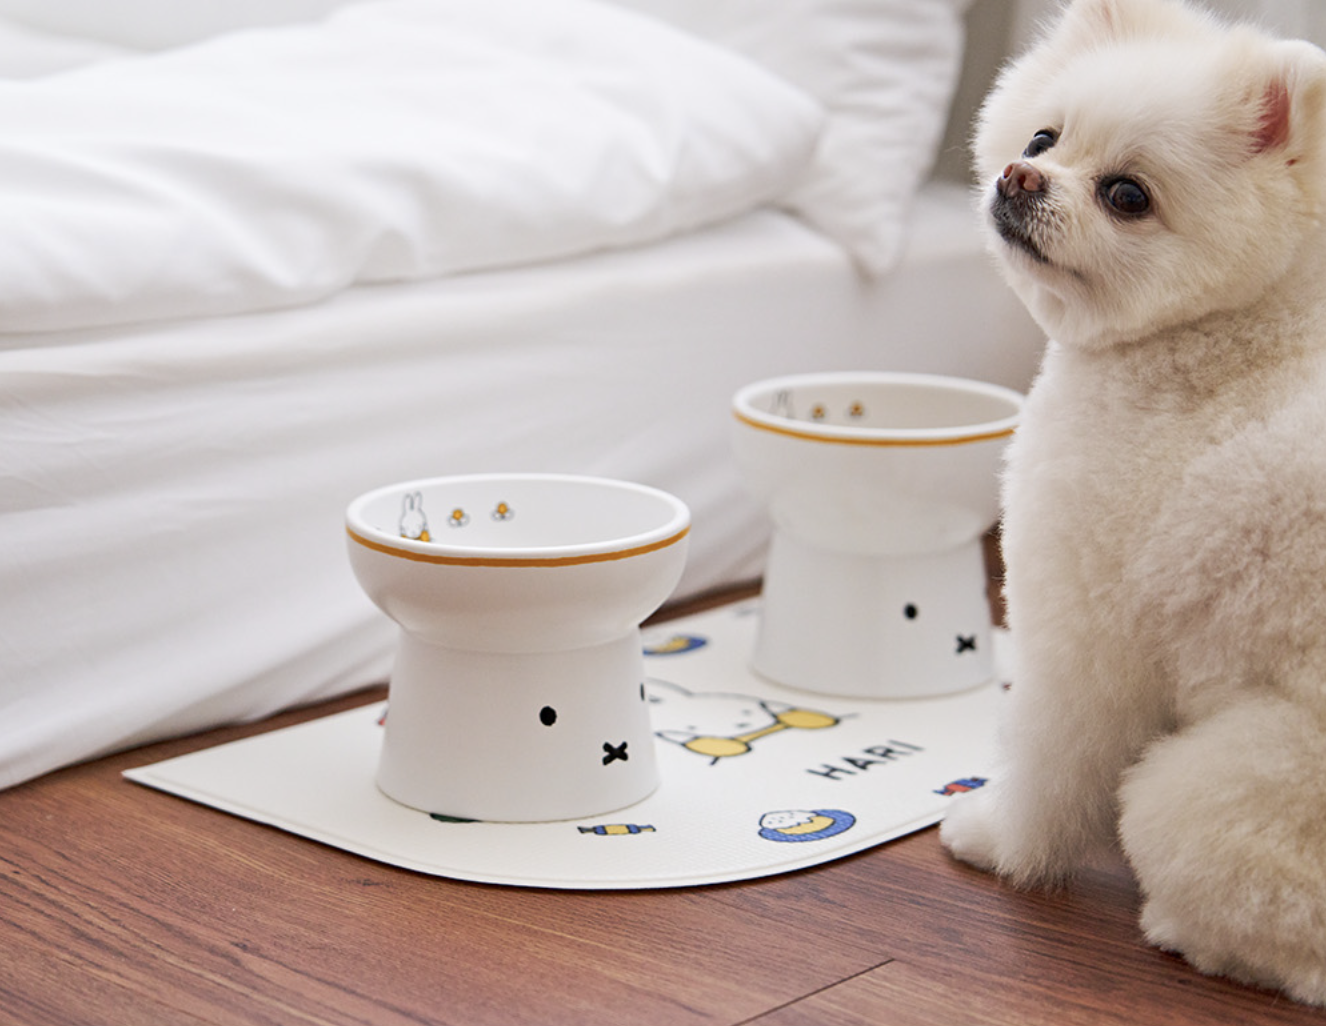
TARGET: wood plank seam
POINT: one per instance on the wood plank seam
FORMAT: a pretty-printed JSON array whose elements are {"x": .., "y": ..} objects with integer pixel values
[{"x": 811, "y": 994}]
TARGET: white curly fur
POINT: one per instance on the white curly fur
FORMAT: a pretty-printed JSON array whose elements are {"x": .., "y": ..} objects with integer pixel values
[{"x": 1165, "y": 496}]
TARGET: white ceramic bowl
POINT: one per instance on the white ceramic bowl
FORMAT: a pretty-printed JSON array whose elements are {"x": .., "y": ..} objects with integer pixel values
[
  {"x": 880, "y": 486},
  {"x": 517, "y": 691}
]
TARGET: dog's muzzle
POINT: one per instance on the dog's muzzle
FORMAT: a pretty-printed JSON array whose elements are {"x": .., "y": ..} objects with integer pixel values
[{"x": 1017, "y": 206}]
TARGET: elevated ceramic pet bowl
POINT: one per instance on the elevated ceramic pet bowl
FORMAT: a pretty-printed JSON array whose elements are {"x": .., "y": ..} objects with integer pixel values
[
  {"x": 880, "y": 487},
  {"x": 518, "y": 690}
]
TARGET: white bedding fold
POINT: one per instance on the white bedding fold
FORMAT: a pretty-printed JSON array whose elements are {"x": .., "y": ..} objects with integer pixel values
[{"x": 398, "y": 140}]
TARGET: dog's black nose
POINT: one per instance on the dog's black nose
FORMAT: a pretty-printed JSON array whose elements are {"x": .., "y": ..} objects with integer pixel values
[{"x": 1020, "y": 177}]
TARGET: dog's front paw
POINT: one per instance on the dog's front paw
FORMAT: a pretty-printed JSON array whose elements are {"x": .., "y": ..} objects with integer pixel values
[
  {"x": 968, "y": 830},
  {"x": 993, "y": 831}
]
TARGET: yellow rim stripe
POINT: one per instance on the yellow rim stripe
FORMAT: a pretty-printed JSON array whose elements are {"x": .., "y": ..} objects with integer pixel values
[
  {"x": 811, "y": 437},
  {"x": 517, "y": 561}
]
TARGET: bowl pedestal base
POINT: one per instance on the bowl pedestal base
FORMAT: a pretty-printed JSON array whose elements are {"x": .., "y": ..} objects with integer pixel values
[
  {"x": 873, "y": 626},
  {"x": 518, "y": 736}
]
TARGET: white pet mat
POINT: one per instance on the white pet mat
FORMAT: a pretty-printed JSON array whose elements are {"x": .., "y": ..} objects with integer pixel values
[{"x": 757, "y": 779}]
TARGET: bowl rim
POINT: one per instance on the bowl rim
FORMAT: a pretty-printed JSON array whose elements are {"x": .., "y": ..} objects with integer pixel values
[
  {"x": 962, "y": 434},
  {"x": 669, "y": 533}
]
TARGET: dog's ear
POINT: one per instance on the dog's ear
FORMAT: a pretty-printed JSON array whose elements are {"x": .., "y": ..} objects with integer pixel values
[
  {"x": 1284, "y": 118},
  {"x": 1291, "y": 103},
  {"x": 1085, "y": 23},
  {"x": 1090, "y": 22},
  {"x": 1108, "y": 19},
  {"x": 1274, "y": 117},
  {"x": 1105, "y": 19}
]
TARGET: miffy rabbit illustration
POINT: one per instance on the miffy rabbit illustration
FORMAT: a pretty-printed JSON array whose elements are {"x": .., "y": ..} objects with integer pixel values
[{"x": 414, "y": 523}]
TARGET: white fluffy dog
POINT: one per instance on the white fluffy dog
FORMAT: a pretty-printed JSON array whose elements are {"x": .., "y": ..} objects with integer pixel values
[{"x": 1157, "y": 188}]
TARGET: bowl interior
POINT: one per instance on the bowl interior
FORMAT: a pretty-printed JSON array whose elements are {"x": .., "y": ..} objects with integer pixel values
[
  {"x": 505, "y": 514},
  {"x": 905, "y": 406}
]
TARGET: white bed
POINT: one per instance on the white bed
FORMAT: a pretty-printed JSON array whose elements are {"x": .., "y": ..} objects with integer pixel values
[{"x": 177, "y": 458}]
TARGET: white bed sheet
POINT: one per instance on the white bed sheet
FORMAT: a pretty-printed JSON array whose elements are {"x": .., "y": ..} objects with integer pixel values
[{"x": 171, "y": 495}]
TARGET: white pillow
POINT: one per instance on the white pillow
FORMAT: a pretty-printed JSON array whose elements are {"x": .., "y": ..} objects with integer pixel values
[
  {"x": 885, "y": 70},
  {"x": 30, "y": 53},
  {"x": 160, "y": 24},
  {"x": 397, "y": 140}
]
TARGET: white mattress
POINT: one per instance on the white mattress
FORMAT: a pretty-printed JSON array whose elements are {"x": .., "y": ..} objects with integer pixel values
[{"x": 172, "y": 554}]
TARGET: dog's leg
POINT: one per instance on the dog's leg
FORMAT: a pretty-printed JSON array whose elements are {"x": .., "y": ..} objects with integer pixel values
[
  {"x": 1075, "y": 723},
  {"x": 1225, "y": 826}
]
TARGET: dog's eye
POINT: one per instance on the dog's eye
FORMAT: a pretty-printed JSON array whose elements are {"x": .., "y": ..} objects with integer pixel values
[
  {"x": 1040, "y": 142},
  {"x": 1126, "y": 197}
]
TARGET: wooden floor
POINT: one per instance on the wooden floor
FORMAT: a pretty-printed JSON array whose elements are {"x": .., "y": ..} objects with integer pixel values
[{"x": 122, "y": 905}]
